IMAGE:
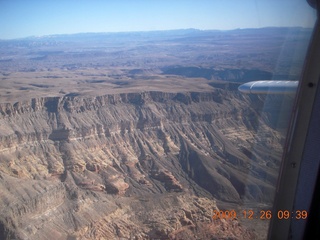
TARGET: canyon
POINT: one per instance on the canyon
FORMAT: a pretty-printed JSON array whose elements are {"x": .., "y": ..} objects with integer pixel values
[
  {"x": 142, "y": 135},
  {"x": 151, "y": 164}
]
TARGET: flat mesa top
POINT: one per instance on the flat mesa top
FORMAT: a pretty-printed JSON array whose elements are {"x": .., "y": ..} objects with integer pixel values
[{"x": 21, "y": 86}]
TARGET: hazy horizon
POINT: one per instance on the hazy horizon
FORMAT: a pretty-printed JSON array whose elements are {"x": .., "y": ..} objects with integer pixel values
[
  {"x": 20, "y": 19},
  {"x": 144, "y": 31}
]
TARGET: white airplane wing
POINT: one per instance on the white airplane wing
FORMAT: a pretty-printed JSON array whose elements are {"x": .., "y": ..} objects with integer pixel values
[{"x": 269, "y": 87}]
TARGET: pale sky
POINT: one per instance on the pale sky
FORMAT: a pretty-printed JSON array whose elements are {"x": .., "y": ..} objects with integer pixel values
[{"x": 23, "y": 18}]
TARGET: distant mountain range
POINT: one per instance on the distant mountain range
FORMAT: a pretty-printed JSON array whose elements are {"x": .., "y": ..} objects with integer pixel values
[{"x": 168, "y": 33}]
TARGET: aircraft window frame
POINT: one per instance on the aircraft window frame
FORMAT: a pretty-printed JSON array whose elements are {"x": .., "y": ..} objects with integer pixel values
[{"x": 299, "y": 170}]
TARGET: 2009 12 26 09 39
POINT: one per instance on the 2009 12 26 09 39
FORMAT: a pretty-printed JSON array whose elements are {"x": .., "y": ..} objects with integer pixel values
[{"x": 262, "y": 214}]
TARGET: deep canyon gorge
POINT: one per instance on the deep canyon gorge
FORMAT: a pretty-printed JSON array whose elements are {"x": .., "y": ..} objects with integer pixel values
[{"x": 150, "y": 164}]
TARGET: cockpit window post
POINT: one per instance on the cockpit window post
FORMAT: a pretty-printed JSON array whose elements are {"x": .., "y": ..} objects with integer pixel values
[{"x": 300, "y": 164}]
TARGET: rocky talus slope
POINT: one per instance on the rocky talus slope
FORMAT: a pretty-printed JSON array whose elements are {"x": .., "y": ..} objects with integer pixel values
[{"x": 143, "y": 165}]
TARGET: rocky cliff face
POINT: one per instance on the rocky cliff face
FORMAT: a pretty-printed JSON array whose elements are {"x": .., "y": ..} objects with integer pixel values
[{"x": 135, "y": 166}]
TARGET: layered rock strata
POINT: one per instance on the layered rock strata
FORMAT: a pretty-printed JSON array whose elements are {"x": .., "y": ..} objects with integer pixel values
[{"x": 133, "y": 166}]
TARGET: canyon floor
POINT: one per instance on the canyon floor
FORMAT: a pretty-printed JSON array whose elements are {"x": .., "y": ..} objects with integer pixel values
[{"x": 142, "y": 135}]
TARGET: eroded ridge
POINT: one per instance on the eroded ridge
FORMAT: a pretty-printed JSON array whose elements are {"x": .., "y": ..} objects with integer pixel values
[{"x": 133, "y": 165}]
